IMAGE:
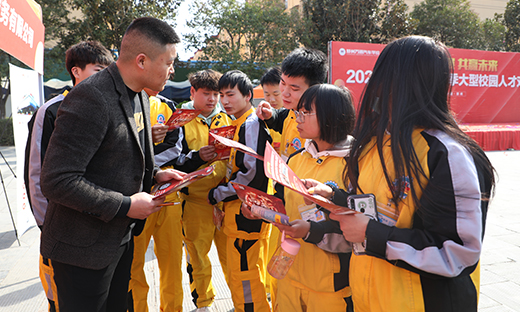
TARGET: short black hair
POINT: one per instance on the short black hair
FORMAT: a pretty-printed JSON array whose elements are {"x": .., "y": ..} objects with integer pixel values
[
  {"x": 308, "y": 63},
  {"x": 86, "y": 52},
  {"x": 334, "y": 111},
  {"x": 206, "y": 79},
  {"x": 146, "y": 35},
  {"x": 155, "y": 29},
  {"x": 271, "y": 76},
  {"x": 237, "y": 78}
]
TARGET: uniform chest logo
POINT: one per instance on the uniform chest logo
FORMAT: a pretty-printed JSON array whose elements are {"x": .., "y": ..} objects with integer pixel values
[
  {"x": 296, "y": 143},
  {"x": 332, "y": 184},
  {"x": 161, "y": 118}
]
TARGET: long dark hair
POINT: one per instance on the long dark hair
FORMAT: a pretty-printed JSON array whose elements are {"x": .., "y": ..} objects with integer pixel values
[{"x": 409, "y": 88}]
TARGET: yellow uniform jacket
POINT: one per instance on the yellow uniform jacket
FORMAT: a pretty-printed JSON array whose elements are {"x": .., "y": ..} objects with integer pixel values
[
  {"x": 322, "y": 262},
  {"x": 246, "y": 170},
  {"x": 284, "y": 122},
  {"x": 422, "y": 261},
  {"x": 195, "y": 136}
]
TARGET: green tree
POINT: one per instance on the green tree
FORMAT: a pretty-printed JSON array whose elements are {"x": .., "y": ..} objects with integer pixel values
[
  {"x": 55, "y": 18},
  {"x": 493, "y": 34},
  {"x": 395, "y": 21},
  {"x": 249, "y": 36},
  {"x": 102, "y": 20},
  {"x": 450, "y": 21},
  {"x": 338, "y": 20},
  {"x": 512, "y": 23}
]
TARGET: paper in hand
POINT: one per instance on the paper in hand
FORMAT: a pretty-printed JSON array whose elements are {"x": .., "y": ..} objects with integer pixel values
[{"x": 275, "y": 168}]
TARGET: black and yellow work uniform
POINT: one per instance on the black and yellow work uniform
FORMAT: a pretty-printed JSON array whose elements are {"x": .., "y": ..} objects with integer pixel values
[
  {"x": 318, "y": 279},
  {"x": 197, "y": 216},
  {"x": 425, "y": 261},
  {"x": 284, "y": 122},
  {"x": 247, "y": 240}
]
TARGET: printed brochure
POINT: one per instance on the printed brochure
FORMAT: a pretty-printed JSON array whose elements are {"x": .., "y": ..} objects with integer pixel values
[
  {"x": 223, "y": 151},
  {"x": 275, "y": 168},
  {"x": 181, "y": 117},
  {"x": 265, "y": 206},
  {"x": 236, "y": 145},
  {"x": 252, "y": 196},
  {"x": 168, "y": 187}
]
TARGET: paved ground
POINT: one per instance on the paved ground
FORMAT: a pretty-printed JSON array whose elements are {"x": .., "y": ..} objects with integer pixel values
[{"x": 20, "y": 288}]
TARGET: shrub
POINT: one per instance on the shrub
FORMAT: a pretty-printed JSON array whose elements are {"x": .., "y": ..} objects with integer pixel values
[{"x": 6, "y": 132}]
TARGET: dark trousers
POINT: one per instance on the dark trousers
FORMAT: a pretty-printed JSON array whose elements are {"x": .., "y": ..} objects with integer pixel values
[{"x": 81, "y": 289}]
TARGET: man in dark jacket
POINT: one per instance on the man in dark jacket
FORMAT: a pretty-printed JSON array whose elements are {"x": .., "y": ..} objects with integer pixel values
[{"x": 97, "y": 170}]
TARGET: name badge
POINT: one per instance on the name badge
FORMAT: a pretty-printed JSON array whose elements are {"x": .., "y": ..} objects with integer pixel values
[{"x": 311, "y": 213}]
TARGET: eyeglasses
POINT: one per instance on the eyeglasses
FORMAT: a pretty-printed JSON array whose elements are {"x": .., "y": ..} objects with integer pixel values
[{"x": 300, "y": 116}]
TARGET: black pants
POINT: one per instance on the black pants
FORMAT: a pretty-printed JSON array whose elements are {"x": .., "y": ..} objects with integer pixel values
[{"x": 81, "y": 289}]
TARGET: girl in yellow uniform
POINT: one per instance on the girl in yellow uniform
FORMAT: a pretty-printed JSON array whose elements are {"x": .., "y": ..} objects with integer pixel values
[
  {"x": 318, "y": 279},
  {"x": 432, "y": 185}
]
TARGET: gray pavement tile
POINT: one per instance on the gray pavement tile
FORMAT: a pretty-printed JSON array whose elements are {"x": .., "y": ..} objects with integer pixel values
[
  {"x": 24, "y": 296},
  {"x": 509, "y": 250},
  {"x": 490, "y": 277},
  {"x": 10, "y": 257},
  {"x": 7, "y": 239},
  {"x": 513, "y": 239},
  {"x": 509, "y": 271},
  {"x": 499, "y": 308},
  {"x": 493, "y": 257},
  {"x": 223, "y": 305},
  {"x": 506, "y": 219},
  {"x": 495, "y": 242},
  {"x": 485, "y": 302},
  {"x": 20, "y": 289},
  {"x": 507, "y": 293},
  {"x": 493, "y": 229}
]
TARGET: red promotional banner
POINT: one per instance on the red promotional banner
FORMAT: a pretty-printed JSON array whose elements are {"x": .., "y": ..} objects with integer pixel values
[
  {"x": 485, "y": 85},
  {"x": 22, "y": 31}
]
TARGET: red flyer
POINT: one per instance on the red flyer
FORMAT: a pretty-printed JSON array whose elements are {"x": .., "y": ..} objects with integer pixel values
[
  {"x": 181, "y": 117},
  {"x": 236, "y": 145},
  {"x": 223, "y": 151},
  {"x": 252, "y": 196},
  {"x": 165, "y": 188},
  {"x": 275, "y": 168}
]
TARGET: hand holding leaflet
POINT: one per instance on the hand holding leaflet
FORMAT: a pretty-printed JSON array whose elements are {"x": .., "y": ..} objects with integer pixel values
[
  {"x": 168, "y": 187},
  {"x": 223, "y": 151},
  {"x": 275, "y": 168},
  {"x": 181, "y": 117},
  {"x": 270, "y": 215},
  {"x": 239, "y": 146},
  {"x": 251, "y": 196},
  {"x": 262, "y": 205}
]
